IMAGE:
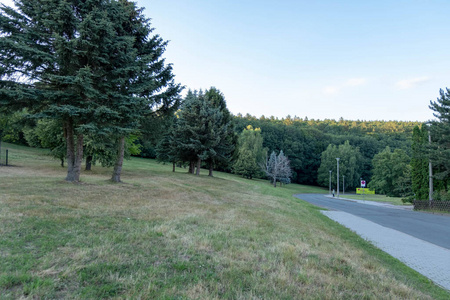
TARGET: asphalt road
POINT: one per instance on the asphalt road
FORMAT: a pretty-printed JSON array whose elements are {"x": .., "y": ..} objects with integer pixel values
[{"x": 428, "y": 227}]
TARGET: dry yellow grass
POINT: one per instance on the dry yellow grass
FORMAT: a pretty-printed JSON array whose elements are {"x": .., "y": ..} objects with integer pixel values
[{"x": 175, "y": 236}]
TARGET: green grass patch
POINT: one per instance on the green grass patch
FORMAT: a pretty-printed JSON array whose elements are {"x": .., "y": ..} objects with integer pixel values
[
  {"x": 376, "y": 198},
  {"x": 164, "y": 235}
]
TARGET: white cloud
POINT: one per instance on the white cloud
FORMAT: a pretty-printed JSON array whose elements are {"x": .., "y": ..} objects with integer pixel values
[
  {"x": 352, "y": 82},
  {"x": 355, "y": 81},
  {"x": 331, "y": 90},
  {"x": 410, "y": 83}
]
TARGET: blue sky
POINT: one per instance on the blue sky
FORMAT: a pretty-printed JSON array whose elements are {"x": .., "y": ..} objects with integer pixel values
[{"x": 366, "y": 60}]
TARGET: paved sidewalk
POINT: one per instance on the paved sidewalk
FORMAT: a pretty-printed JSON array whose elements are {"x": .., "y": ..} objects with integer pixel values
[{"x": 428, "y": 259}]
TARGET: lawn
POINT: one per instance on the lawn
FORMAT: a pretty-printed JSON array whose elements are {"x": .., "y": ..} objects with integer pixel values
[
  {"x": 376, "y": 198},
  {"x": 164, "y": 235}
]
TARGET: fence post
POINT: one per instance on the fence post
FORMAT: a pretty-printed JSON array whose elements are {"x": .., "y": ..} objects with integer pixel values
[{"x": 6, "y": 157}]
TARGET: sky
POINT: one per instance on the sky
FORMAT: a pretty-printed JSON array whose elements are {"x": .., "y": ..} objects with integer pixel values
[{"x": 323, "y": 59}]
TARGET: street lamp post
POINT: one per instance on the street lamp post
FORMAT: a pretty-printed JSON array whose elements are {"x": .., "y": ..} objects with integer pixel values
[
  {"x": 330, "y": 183},
  {"x": 337, "y": 176},
  {"x": 343, "y": 184}
]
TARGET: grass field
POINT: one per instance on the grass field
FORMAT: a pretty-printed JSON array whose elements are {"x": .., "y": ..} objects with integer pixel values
[
  {"x": 376, "y": 198},
  {"x": 164, "y": 235}
]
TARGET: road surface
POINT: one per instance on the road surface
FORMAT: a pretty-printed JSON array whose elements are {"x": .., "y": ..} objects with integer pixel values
[{"x": 432, "y": 228}]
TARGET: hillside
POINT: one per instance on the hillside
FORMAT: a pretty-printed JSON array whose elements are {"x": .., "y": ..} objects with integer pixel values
[{"x": 171, "y": 235}]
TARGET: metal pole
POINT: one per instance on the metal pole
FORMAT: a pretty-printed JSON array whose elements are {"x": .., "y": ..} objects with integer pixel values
[
  {"x": 343, "y": 184},
  {"x": 330, "y": 183},
  {"x": 430, "y": 170},
  {"x": 337, "y": 176}
]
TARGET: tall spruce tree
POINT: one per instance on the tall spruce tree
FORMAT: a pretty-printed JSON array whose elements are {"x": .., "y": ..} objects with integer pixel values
[
  {"x": 440, "y": 135},
  {"x": 419, "y": 163},
  {"x": 93, "y": 65},
  {"x": 222, "y": 131}
]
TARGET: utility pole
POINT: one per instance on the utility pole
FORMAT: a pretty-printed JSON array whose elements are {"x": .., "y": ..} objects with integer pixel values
[{"x": 337, "y": 176}]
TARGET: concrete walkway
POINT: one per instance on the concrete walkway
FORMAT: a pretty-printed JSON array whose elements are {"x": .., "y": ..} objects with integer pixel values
[{"x": 428, "y": 259}]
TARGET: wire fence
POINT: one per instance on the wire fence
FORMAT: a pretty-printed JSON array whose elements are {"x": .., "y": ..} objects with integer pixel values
[{"x": 434, "y": 205}]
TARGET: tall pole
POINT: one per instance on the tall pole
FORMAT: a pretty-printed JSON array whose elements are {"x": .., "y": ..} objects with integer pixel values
[
  {"x": 330, "y": 183},
  {"x": 337, "y": 176},
  {"x": 343, "y": 184},
  {"x": 430, "y": 171}
]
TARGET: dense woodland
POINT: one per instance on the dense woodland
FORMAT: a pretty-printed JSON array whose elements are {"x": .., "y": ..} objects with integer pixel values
[{"x": 87, "y": 79}]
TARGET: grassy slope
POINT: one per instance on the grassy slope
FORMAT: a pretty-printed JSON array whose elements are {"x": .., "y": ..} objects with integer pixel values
[{"x": 175, "y": 236}]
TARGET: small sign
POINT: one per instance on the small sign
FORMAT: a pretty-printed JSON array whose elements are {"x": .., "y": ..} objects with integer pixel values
[{"x": 363, "y": 183}]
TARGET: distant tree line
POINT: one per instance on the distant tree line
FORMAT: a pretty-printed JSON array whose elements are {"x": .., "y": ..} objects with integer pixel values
[{"x": 87, "y": 79}]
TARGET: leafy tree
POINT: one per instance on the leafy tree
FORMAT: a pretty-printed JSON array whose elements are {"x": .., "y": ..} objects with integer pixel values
[
  {"x": 390, "y": 172},
  {"x": 250, "y": 153},
  {"x": 278, "y": 168},
  {"x": 350, "y": 165},
  {"x": 419, "y": 163},
  {"x": 48, "y": 134}
]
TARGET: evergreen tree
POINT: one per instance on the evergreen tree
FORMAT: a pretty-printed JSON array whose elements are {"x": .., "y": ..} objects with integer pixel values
[
  {"x": 90, "y": 64},
  {"x": 222, "y": 130},
  {"x": 419, "y": 163},
  {"x": 440, "y": 135},
  {"x": 202, "y": 132}
]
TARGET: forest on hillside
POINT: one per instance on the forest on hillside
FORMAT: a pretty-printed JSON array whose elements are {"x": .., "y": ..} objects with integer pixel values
[{"x": 89, "y": 81}]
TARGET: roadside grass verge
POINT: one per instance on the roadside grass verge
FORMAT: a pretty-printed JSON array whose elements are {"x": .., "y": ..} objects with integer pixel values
[
  {"x": 376, "y": 198},
  {"x": 164, "y": 235}
]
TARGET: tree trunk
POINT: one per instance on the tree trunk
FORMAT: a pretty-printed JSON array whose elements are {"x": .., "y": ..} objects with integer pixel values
[
  {"x": 119, "y": 161},
  {"x": 192, "y": 167},
  {"x": 74, "y": 153},
  {"x": 88, "y": 163},
  {"x": 199, "y": 162},
  {"x": 173, "y": 167},
  {"x": 210, "y": 170},
  {"x": 62, "y": 162},
  {"x": 275, "y": 182}
]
